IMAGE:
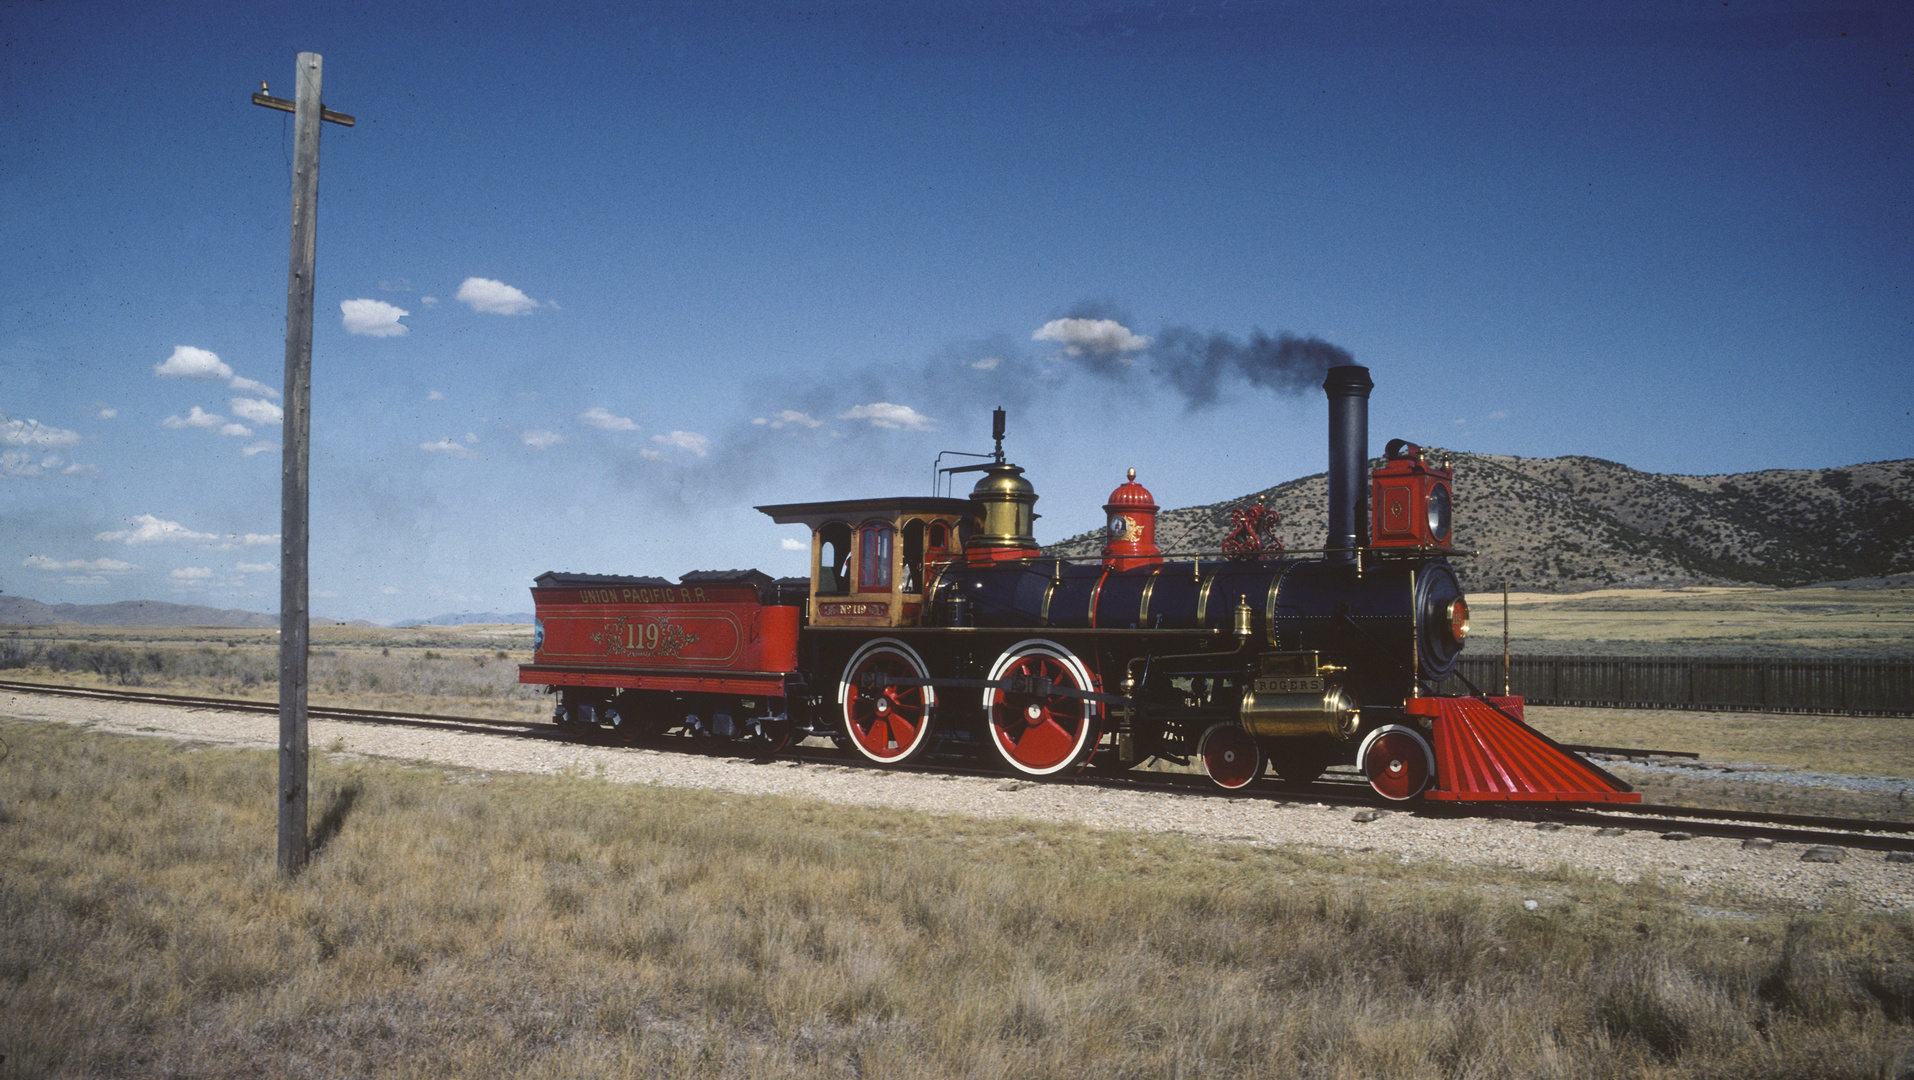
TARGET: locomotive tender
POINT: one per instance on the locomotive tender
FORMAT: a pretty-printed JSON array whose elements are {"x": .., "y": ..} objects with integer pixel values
[{"x": 931, "y": 617}]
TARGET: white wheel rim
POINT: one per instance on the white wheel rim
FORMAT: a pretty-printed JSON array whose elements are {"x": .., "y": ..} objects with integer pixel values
[
  {"x": 882, "y": 705},
  {"x": 1091, "y": 715}
]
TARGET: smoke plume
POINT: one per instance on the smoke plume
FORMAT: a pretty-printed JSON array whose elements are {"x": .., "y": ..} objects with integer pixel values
[
  {"x": 1198, "y": 364},
  {"x": 817, "y": 433}
]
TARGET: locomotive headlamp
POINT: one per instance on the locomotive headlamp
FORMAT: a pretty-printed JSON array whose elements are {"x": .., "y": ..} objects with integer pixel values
[
  {"x": 1410, "y": 500},
  {"x": 1457, "y": 617},
  {"x": 1439, "y": 512}
]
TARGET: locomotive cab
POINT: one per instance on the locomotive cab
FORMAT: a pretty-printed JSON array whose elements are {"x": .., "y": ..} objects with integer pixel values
[{"x": 872, "y": 560}]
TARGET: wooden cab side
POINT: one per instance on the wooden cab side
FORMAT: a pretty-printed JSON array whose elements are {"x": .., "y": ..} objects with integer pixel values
[{"x": 873, "y": 560}]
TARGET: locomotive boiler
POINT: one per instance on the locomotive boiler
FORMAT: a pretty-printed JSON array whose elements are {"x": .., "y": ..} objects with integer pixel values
[{"x": 929, "y": 621}]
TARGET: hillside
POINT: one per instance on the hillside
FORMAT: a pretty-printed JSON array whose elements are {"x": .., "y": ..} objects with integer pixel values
[
  {"x": 1572, "y": 523},
  {"x": 18, "y": 610}
]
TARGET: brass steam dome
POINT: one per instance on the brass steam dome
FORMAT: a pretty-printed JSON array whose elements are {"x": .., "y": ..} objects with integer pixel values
[{"x": 1006, "y": 511}]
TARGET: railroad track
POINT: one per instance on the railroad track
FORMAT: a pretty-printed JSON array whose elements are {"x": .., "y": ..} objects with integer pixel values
[{"x": 1338, "y": 788}]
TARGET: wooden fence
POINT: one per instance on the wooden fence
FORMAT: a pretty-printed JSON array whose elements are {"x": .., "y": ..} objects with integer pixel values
[{"x": 1852, "y": 687}]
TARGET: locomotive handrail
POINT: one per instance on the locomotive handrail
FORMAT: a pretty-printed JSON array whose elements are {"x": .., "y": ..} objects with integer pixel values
[
  {"x": 1227, "y": 557},
  {"x": 1033, "y": 685}
]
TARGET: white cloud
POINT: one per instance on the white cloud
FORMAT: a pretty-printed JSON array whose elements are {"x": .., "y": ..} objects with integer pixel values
[
  {"x": 1100, "y": 336},
  {"x": 446, "y": 446},
  {"x": 790, "y": 418},
  {"x": 389, "y": 590},
  {"x": 35, "y": 434},
  {"x": 429, "y": 301},
  {"x": 255, "y": 567},
  {"x": 77, "y": 469},
  {"x": 21, "y": 463},
  {"x": 148, "y": 529},
  {"x": 191, "y": 573},
  {"x": 436, "y": 395},
  {"x": 247, "y": 386},
  {"x": 495, "y": 297},
  {"x": 883, "y": 414},
  {"x": 374, "y": 318},
  {"x": 989, "y": 363},
  {"x": 260, "y": 448},
  {"x": 792, "y": 544},
  {"x": 541, "y": 440},
  {"x": 600, "y": 417},
  {"x": 685, "y": 440},
  {"x": 107, "y": 412},
  {"x": 651, "y": 455},
  {"x": 1499, "y": 414},
  {"x": 98, "y": 566},
  {"x": 190, "y": 363},
  {"x": 259, "y": 412},
  {"x": 198, "y": 418},
  {"x": 94, "y": 579}
]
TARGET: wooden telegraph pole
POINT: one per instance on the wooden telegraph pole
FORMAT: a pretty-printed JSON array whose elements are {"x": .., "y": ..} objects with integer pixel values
[{"x": 294, "y": 534}]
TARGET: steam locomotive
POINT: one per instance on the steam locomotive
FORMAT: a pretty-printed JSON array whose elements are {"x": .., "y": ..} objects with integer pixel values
[{"x": 932, "y": 621}]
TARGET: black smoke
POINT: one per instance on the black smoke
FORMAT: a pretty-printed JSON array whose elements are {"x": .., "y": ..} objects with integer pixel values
[
  {"x": 955, "y": 387},
  {"x": 1199, "y": 365}
]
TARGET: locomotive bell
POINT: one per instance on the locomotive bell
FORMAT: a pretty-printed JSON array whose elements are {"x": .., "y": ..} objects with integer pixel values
[
  {"x": 1130, "y": 536},
  {"x": 1006, "y": 515}
]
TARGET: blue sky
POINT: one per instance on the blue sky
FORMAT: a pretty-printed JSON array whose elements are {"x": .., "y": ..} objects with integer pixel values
[{"x": 659, "y": 263}]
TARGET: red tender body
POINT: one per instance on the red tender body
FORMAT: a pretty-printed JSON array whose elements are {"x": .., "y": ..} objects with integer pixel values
[{"x": 697, "y": 638}]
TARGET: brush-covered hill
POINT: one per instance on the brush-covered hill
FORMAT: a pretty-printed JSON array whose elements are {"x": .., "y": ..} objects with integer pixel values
[
  {"x": 18, "y": 610},
  {"x": 1571, "y": 523}
]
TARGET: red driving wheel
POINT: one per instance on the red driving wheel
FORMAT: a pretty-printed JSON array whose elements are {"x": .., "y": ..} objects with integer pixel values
[
  {"x": 1398, "y": 762},
  {"x": 1231, "y": 759},
  {"x": 1041, "y": 734},
  {"x": 889, "y": 724}
]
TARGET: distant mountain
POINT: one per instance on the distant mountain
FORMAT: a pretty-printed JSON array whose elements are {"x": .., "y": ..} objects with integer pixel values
[
  {"x": 18, "y": 610},
  {"x": 1572, "y": 523},
  {"x": 468, "y": 618}
]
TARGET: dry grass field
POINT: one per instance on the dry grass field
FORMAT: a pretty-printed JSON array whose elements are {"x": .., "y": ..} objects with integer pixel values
[
  {"x": 1700, "y": 621},
  {"x": 456, "y": 925},
  {"x": 464, "y": 670}
]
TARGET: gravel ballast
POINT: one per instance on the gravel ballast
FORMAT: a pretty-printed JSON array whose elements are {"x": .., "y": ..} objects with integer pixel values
[{"x": 1705, "y": 867}]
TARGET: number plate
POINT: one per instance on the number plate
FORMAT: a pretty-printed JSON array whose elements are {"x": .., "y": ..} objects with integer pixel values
[{"x": 1289, "y": 686}]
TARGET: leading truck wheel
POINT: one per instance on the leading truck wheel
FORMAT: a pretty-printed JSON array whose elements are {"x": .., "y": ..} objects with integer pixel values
[
  {"x": 1041, "y": 734},
  {"x": 1398, "y": 762},
  {"x": 888, "y": 724},
  {"x": 1231, "y": 759}
]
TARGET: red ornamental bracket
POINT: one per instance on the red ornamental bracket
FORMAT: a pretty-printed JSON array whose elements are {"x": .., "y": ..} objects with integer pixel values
[{"x": 1249, "y": 540}]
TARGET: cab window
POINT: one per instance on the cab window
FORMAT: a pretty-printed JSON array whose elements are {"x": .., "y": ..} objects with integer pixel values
[
  {"x": 914, "y": 557},
  {"x": 874, "y": 558},
  {"x": 833, "y": 555}
]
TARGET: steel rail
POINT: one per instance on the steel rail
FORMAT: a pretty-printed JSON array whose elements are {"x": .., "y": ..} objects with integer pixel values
[{"x": 1334, "y": 791}]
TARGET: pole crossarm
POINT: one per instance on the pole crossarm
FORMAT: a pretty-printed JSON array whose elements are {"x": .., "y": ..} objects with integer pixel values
[{"x": 292, "y": 107}]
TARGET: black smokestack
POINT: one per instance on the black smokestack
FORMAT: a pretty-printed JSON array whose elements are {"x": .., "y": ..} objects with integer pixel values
[{"x": 1348, "y": 387}]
